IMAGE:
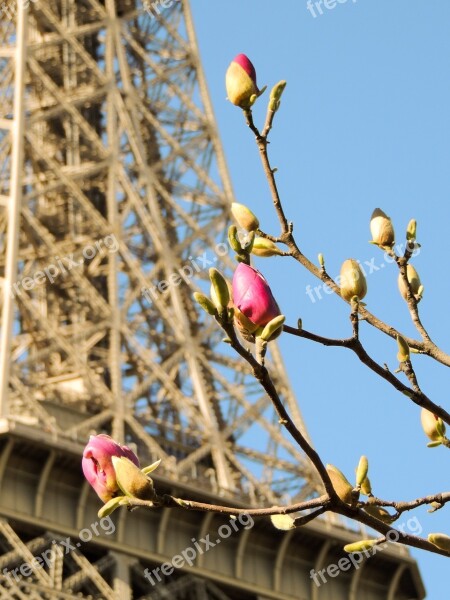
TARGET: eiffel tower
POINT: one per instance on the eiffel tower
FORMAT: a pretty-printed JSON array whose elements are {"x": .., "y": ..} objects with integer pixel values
[{"x": 114, "y": 200}]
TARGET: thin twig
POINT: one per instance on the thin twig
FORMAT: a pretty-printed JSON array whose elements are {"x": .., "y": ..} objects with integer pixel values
[{"x": 416, "y": 395}]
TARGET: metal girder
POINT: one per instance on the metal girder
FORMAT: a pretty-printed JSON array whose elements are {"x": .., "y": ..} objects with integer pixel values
[
  {"x": 114, "y": 201},
  {"x": 109, "y": 134}
]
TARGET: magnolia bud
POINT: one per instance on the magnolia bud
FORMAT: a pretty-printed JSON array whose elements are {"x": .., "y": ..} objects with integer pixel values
[
  {"x": 131, "y": 480},
  {"x": 381, "y": 229},
  {"x": 433, "y": 426},
  {"x": 220, "y": 293},
  {"x": 233, "y": 239},
  {"x": 360, "y": 546},
  {"x": 275, "y": 95},
  {"x": 366, "y": 487},
  {"x": 283, "y": 522},
  {"x": 362, "y": 469},
  {"x": 378, "y": 513},
  {"x": 265, "y": 247},
  {"x": 273, "y": 328},
  {"x": 341, "y": 485},
  {"x": 244, "y": 217},
  {"x": 253, "y": 297},
  {"x": 98, "y": 467},
  {"x": 440, "y": 540},
  {"x": 240, "y": 81},
  {"x": 414, "y": 282},
  {"x": 411, "y": 231},
  {"x": 205, "y": 303},
  {"x": 353, "y": 282},
  {"x": 403, "y": 349}
]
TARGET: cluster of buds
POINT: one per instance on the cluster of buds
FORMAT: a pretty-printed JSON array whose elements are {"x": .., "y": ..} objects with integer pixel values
[
  {"x": 383, "y": 236},
  {"x": 434, "y": 428},
  {"x": 350, "y": 494},
  {"x": 114, "y": 473},
  {"x": 249, "y": 302},
  {"x": 219, "y": 304},
  {"x": 250, "y": 242}
]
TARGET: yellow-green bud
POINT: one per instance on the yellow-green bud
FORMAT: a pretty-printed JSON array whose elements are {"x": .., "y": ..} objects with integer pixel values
[
  {"x": 321, "y": 261},
  {"x": 283, "y": 522},
  {"x": 341, "y": 485},
  {"x": 366, "y": 487},
  {"x": 205, "y": 303},
  {"x": 265, "y": 247},
  {"x": 362, "y": 469},
  {"x": 403, "y": 349},
  {"x": 233, "y": 239},
  {"x": 275, "y": 95},
  {"x": 381, "y": 229},
  {"x": 433, "y": 426},
  {"x": 352, "y": 280},
  {"x": 244, "y": 217},
  {"x": 249, "y": 241},
  {"x": 411, "y": 231},
  {"x": 273, "y": 328},
  {"x": 131, "y": 480},
  {"x": 414, "y": 282},
  {"x": 440, "y": 540},
  {"x": 220, "y": 292},
  {"x": 360, "y": 546},
  {"x": 151, "y": 468},
  {"x": 111, "y": 506},
  {"x": 379, "y": 513}
]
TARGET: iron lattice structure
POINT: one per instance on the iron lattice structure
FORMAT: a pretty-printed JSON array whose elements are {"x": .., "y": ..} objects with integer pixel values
[
  {"x": 114, "y": 200},
  {"x": 122, "y": 203}
]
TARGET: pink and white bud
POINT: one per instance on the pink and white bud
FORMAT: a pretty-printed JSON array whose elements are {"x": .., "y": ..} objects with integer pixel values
[
  {"x": 98, "y": 467},
  {"x": 240, "y": 81}
]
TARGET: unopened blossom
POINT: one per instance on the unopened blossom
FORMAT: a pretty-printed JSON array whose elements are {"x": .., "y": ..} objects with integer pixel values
[
  {"x": 97, "y": 464},
  {"x": 240, "y": 81},
  {"x": 253, "y": 297}
]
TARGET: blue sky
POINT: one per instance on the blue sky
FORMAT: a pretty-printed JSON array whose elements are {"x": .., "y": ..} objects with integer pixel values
[{"x": 365, "y": 122}]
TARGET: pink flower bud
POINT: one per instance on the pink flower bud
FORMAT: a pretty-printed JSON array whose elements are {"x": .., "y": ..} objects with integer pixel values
[
  {"x": 252, "y": 296},
  {"x": 97, "y": 464},
  {"x": 240, "y": 82}
]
